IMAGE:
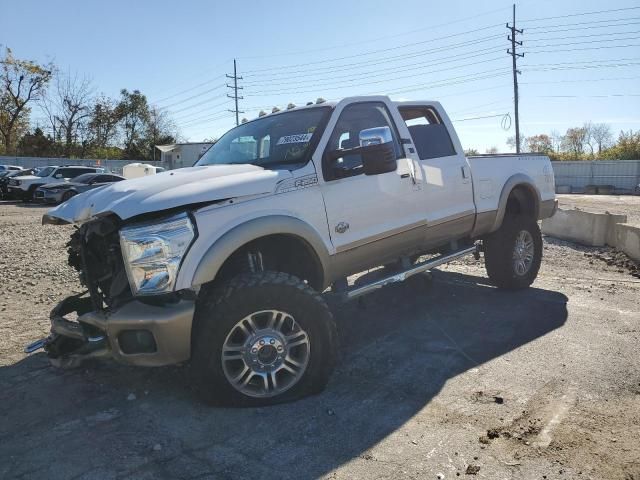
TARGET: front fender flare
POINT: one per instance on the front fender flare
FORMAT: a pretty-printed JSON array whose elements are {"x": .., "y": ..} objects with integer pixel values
[{"x": 244, "y": 233}]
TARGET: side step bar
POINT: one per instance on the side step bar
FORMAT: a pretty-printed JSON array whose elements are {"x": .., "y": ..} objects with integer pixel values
[{"x": 414, "y": 270}]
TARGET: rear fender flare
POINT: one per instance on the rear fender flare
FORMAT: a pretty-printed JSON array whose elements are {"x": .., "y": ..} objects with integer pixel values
[{"x": 517, "y": 180}]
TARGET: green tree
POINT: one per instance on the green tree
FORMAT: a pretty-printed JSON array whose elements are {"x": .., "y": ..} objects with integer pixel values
[
  {"x": 627, "y": 147},
  {"x": 21, "y": 82},
  {"x": 133, "y": 112},
  {"x": 103, "y": 122},
  {"x": 37, "y": 144}
]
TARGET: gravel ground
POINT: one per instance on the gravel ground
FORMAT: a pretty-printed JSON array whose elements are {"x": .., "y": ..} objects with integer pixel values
[
  {"x": 628, "y": 205},
  {"x": 448, "y": 378}
]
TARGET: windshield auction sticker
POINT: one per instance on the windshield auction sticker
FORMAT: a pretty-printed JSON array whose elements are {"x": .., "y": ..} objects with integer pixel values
[{"x": 300, "y": 138}]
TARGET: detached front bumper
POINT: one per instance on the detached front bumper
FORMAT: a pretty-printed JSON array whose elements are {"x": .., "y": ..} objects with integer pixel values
[{"x": 136, "y": 333}]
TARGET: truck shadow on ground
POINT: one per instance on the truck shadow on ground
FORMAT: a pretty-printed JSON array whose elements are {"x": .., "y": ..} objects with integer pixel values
[{"x": 398, "y": 348}]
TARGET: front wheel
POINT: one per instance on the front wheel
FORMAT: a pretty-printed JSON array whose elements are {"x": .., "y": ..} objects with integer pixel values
[
  {"x": 67, "y": 195},
  {"x": 261, "y": 339},
  {"x": 513, "y": 253}
]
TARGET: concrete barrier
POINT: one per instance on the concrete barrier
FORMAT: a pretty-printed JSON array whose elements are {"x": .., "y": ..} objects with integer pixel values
[
  {"x": 588, "y": 228},
  {"x": 627, "y": 239}
]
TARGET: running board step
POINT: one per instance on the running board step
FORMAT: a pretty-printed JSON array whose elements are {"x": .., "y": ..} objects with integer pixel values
[{"x": 359, "y": 290}]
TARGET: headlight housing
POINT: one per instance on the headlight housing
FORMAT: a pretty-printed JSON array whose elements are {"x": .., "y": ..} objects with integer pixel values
[{"x": 153, "y": 252}]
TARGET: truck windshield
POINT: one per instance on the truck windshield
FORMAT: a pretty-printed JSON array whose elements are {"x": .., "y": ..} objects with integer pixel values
[{"x": 271, "y": 142}]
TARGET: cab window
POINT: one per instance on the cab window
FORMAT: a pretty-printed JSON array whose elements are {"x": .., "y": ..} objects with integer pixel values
[
  {"x": 346, "y": 134},
  {"x": 429, "y": 134}
]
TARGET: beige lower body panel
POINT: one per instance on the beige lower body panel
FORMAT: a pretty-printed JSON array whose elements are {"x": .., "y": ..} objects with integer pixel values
[
  {"x": 415, "y": 240},
  {"x": 170, "y": 325},
  {"x": 547, "y": 208}
]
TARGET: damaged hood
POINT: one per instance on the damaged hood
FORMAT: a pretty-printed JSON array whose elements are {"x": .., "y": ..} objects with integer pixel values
[{"x": 166, "y": 190}]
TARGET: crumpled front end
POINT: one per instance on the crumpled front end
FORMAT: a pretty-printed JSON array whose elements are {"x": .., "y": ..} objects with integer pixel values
[{"x": 109, "y": 320}]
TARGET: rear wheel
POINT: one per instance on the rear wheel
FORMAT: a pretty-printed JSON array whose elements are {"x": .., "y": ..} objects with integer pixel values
[
  {"x": 513, "y": 253},
  {"x": 260, "y": 339}
]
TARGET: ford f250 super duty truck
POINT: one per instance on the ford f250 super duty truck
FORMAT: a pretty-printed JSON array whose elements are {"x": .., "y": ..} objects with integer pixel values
[{"x": 223, "y": 263}]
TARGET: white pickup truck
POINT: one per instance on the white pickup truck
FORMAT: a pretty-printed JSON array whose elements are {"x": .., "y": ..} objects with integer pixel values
[{"x": 223, "y": 263}]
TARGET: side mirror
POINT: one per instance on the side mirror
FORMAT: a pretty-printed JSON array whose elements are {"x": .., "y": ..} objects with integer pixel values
[
  {"x": 57, "y": 175},
  {"x": 376, "y": 148}
]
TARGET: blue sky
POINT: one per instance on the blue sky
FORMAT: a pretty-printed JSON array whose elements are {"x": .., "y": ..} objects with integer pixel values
[{"x": 577, "y": 67}]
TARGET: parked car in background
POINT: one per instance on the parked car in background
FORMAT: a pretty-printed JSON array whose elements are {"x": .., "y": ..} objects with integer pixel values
[
  {"x": 6, "y": 175},
  {"x": 24, "y": 188},
  {"x": 61, "y": 192},
  {"x": 9, "y": 167}
]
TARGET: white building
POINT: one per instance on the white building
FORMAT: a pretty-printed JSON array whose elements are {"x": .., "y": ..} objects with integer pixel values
[{"x": 179, "y": 155}]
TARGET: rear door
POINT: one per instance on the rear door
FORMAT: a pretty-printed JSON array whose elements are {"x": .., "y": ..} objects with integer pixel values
[{"x": 448, "y": 190}]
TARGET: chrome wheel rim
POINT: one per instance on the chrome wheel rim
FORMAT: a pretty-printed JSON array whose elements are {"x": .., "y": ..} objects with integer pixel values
[
  {"x": 523, "y": 253},
  {"x": 265, "y": 354}
]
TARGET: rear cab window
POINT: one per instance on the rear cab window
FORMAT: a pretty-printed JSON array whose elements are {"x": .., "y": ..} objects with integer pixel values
[{"x": 430, "y": 135}]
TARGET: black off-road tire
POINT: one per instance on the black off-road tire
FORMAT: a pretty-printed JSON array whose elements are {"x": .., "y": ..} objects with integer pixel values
[
  {"x": 28, "y": 196},
  {"x": 218, "y": 309},
  {"x": 499, "y": 249}
]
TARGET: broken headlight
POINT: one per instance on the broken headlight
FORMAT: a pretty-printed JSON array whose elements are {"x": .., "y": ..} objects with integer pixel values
[{"x": 153, "y": 252}]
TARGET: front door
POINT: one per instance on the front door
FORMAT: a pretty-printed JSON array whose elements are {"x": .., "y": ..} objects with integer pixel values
[{"x": 367, "y": 209}]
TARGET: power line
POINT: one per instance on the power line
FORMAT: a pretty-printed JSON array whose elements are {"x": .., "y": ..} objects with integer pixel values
[
  {"x": 188, "y": 89},
  {"x": 371, "y": 52},
  {"x": 581, "y": 25},
  {"x": 583, "y": 80},
  {"x": 574, "y": 37},
  {"x": 584, "y": 42},
  {"x": 386, "y": 61},
  {"x": 372, "y": 75},
  {"x": 396, "y": 68},
  {"x": 208, "y": 119},
  {"x": 590, "y": 96},
  {"x": 202, "y": 102},
  {"x": 578, "y": 49},
  {"x": 378, "y": 39},
  {"x": 580, "y": 14},
  {"x": 206, "y": 109},
  {"x": 194, "y": 96}
]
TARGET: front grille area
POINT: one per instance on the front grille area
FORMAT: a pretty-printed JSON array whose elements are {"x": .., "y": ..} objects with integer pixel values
[
  {"x": 94, "y": 251},
  {"x": 39, "y": 194}
]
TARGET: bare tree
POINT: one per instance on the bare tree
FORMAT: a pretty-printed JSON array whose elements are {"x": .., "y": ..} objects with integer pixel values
[
  {"x": 21, "y": 82},
  {"x": 160, "y": 128},
  {"x": 588, "y": 136},
  {"x": 72, "y": 101},
  {"x": 556, "y": 140},
  {"x": 574, "y": 140},
  {"x": 602, "y": 136},
  {"x": 492, "y": 150},
  {"x": 511, "y": 141}
]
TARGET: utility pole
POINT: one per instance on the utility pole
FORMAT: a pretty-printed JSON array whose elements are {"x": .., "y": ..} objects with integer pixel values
[
  {"x": 235, "y": 89},
  {"x": 514, "y": 56}
]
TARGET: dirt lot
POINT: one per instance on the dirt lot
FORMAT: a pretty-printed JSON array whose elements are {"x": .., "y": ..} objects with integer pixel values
[
  {"x": 628, "y": 205},
  {"x": 443, "y": 379}
]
